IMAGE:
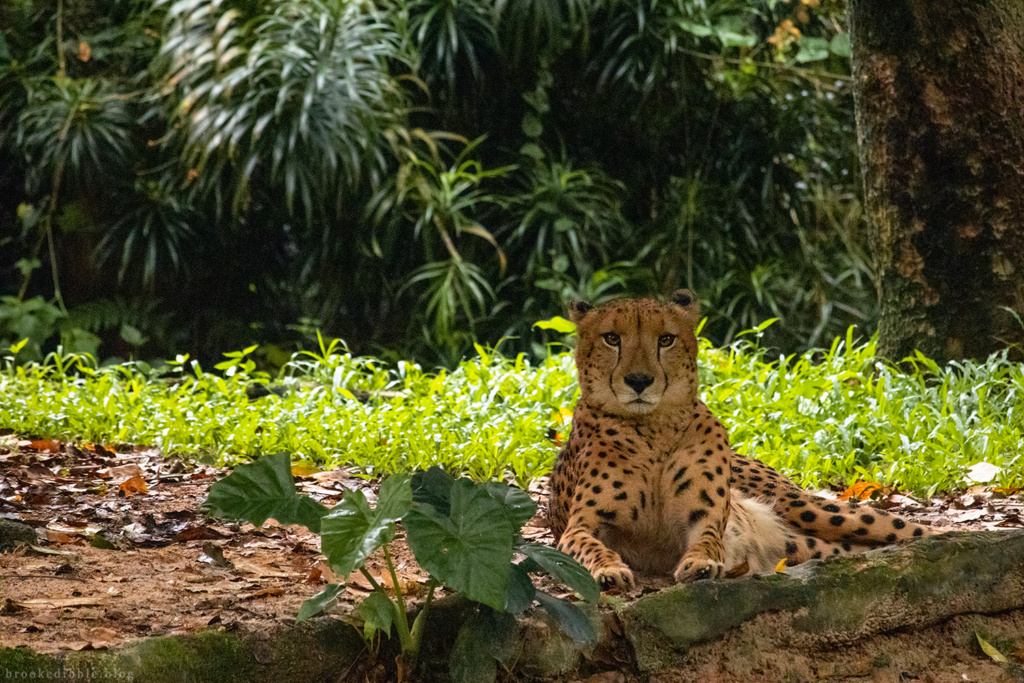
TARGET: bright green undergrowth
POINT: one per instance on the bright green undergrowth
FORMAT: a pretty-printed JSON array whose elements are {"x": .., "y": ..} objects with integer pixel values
[{"x": 831, "y": 416}]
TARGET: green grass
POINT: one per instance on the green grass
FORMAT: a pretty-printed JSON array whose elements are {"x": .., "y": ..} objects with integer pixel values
[{"x": 832, "y": 416}]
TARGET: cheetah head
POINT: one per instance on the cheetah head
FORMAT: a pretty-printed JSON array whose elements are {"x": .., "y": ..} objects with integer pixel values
[{"x": 637, "y": 356}]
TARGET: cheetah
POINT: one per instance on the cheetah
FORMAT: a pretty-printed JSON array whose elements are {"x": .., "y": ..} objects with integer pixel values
[{"x": 647, "y": 480}]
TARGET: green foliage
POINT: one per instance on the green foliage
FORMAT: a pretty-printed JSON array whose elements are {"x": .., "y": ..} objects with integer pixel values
[
  {"x": 299, "y": 95},
  {"x": 304, "y": 164},
  {"x": 465, "y": 542},
  {"x": 822, "y": 417},
  {"x": 262, "y": 490},
  {"x": 351, "y": 531}
]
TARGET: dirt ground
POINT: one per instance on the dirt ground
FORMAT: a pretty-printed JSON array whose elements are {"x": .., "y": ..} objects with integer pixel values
[{"x": 123, "y": 554}]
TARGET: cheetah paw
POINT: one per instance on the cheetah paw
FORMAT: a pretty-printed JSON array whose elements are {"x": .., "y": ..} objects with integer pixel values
[
  {"x": 615, "y": 576},
  {"x": 697, "y": 568}
]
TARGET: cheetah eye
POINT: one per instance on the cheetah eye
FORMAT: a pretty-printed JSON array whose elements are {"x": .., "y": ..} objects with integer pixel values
[
  {"x": 611, "y": 339},
  {"x": 666, "y": 340}
]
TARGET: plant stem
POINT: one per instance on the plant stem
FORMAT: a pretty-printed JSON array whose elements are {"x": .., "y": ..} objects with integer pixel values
[
  {"x": 419, "y": 625},
  {"x": 403, "y": 618},
  {"x": 61, "y": 63}
]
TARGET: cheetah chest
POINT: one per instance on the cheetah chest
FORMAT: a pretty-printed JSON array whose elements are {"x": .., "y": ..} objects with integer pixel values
[{"x": 647, "y": 532}]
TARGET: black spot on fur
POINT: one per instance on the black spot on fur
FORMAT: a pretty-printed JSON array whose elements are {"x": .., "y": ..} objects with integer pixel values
[
  {"x": 898, "y": 523},
  {"x": 836, "y": 520},
  {"x": 867, "y": 519}
]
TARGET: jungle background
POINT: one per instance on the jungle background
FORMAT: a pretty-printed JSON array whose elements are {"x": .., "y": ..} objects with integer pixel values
[{"x": 414, "y": 176}]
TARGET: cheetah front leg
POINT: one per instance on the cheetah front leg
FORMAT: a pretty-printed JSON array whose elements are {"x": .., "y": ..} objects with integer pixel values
[
  {"x": 603, "y": 563},
  {"x": 696, "y": 491}
]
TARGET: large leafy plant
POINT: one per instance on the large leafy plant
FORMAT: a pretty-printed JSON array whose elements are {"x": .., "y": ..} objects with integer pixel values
[{"x": 465, "y": 535}]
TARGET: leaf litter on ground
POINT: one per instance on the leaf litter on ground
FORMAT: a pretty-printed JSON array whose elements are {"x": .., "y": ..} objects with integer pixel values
[{"x": 165, "y": 587}]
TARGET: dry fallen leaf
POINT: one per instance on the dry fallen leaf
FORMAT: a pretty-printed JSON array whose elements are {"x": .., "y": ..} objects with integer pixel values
[
  {"x": 98, "y": 636},
  {"x": 264, "y": 593},
  {"x": 121, "y": 471},
  {"x": 54, "y": 536},
  {"x": 357, "y": 583},
  {"x": 134, "y": 485},
  {"x": 862, "y": 490},
  {"x": 45, "y": 445},
  {"x": 84, "y": 51},
  {"x": 780, "y": 568},
  {"x": 304, "y": 469},
  {"x": 62, "y": 602},
  {"x": 990, "y": 649}
]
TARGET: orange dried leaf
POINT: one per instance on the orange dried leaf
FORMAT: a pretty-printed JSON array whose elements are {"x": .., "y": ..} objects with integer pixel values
[
  {"x": 862, "y": 490},
  {"x": 780, "y": 568},
  {"x": 134, "y": 485},
  {"x": 51, "y": 445}
]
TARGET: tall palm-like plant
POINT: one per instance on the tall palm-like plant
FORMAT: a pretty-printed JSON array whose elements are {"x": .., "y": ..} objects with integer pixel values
[
  {"x": 291, "y": 103},
  {"x": 456, "y": 41},
  {"x": 76, "y": 130}
]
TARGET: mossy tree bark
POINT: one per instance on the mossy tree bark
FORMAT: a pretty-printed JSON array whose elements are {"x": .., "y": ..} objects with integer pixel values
[{"x": 939, "y": 91}]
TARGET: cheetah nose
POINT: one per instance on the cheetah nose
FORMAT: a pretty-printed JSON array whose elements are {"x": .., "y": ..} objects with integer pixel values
[{"x": 638, "y": 382}]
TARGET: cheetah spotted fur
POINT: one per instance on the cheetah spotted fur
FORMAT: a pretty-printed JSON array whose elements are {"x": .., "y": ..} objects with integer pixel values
[{"x": 648, "y": 482}]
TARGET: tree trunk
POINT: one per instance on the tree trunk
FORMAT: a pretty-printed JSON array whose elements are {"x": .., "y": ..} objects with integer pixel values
[{"x": 939, "y": 92}]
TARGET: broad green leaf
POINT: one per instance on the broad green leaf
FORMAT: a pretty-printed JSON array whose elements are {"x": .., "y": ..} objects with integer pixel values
[
  {"x": 532, "y": 126},
  {"x": 699, "y": 30},
  {"x": 262, "y": 490},
  {"x": 469, "y": 551},
  {"x": 564, "y": 568},
  {"x": 497, "y": 633},
  {"x": 558, "y": 324},
  {"x": 840, "y": 45},
  {"x": 469, "y": 661},
  {"x": 518, "y": 504},
  {"x": 532, "y": 150},
  {"x": 378, "y": 613},
  {"x": 812, "y": 49},
  {"x": 486, "y": 638},
  {"x": 352, "y": 532},
  {"x": 434, "y": 487},
  {"x": 319, "y": 602},
  {"x": 570, "y": 617},
  {"x": 520, "y": 593},
  {"x": 394, "y": 498}
]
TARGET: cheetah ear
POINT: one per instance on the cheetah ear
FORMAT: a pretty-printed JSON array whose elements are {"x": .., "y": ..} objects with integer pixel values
[
  {"x": 685, "y": 298},
  {"x": 578, "y": 310}
]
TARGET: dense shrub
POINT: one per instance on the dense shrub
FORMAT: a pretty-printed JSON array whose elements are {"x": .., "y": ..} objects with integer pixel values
[{"x": 418, "y": 175}]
